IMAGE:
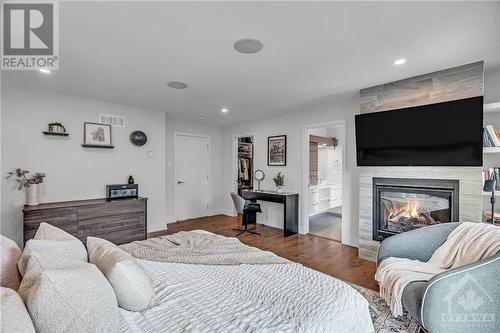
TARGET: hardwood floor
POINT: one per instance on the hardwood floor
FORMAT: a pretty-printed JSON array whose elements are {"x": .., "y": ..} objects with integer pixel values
[{"x": 322, "y": 254}]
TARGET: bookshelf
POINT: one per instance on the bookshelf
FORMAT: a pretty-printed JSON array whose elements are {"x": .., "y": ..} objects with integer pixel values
[
  {"x": 492, "y": 108},
  {"x": 491, "y": 150},
  {"x": 491, "y": 154}
]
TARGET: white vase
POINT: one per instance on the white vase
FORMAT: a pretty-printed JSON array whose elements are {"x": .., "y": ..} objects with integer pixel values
[
  {"x": 32, "y": 195},
  {"x": 279, "y": 189}
]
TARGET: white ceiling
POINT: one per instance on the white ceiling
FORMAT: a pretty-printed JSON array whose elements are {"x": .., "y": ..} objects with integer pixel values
[{"x": 126, "y": 52}]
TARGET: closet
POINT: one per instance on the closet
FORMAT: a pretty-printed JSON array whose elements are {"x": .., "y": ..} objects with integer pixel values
[{"x": 245, "y": 164}]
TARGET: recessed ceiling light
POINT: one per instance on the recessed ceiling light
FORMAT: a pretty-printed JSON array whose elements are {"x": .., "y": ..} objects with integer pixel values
[
  {"x": 248, "y": 45},
  {"x": 224, "y": 110},
  {"x": 399, "y": 61},
  {"x": 44, "y": 70},
  {"x": 177, "y": 85}
]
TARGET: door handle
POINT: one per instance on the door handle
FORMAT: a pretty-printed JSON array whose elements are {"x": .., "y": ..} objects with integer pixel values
[{"x": 179, "y": 182}]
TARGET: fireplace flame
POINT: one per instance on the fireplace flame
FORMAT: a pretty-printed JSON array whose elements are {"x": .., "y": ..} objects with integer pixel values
[{"x": 411, "y": 210}]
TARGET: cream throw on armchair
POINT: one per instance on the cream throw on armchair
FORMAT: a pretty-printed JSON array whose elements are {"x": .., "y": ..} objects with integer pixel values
[{"x": 468, "y": 243}]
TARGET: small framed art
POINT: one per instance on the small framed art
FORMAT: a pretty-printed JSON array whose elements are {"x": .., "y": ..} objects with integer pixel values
[
  {"x": 97, "y": 135},
  {"x": 276, "y": 150}
]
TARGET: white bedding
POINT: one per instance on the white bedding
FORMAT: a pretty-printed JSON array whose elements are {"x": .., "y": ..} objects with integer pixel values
[{"x": 247, "y": 298}]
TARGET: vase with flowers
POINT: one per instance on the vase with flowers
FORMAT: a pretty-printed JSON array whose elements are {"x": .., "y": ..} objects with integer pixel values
[{"x": 31, "y": 182}]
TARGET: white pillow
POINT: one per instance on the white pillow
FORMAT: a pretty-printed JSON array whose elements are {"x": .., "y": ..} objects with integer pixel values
[
  {"x": 73, "y": 249},
  {"x": 49, "y": 232},
  {"x": 54, "y": 242},
  {"x": 9, "y": 256},
  {"x": 76, "y": 299},
  {"x": 38, "y": 263},
  {"x": 132, "y": 287},
  {"x": 15, "y": 318}
]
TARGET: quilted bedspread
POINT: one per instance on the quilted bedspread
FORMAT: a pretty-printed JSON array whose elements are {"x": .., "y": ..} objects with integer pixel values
[{"x": 285, "y": 297}]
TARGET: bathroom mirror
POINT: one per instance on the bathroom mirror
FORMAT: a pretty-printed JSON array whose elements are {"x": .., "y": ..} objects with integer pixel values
[{"x": 259, "y": 176}]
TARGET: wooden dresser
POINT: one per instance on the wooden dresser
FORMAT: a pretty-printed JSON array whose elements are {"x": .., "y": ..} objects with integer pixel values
[{"x": 119, "y": 221}]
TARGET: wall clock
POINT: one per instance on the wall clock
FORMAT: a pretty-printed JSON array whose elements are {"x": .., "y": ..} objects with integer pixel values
[{"x": 138, "y": 138}]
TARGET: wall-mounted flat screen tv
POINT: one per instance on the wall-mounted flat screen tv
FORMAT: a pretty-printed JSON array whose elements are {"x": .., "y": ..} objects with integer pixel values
[{"x": 441, "y": 134}]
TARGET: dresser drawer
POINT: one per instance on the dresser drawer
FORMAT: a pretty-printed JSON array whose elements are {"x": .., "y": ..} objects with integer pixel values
[
  {"x": 63, "y": 218},
  {"x": 111, "y": 208},
  {"x": 119, "y": 229}
]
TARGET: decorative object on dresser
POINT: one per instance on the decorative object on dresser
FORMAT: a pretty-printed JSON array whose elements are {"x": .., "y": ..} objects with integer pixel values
[
  {"x": 97, "y": 135},
  {"x": 119, "y": 221},
  {"x": 276, "y": 150},
  {"x": 259, "y": 176},
  {"x": 56, "y": 128},
  {"x": 130, "y": 179},
  {"x": 138, "y": 138},
  {"x": 279, "y": 181},
  {"x": 31, "y": 183},
  {"x": 122, "y": 191}
]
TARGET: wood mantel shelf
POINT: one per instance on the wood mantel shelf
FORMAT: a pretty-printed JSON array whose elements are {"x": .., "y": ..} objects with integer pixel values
[{"x": 119, "y": 221}]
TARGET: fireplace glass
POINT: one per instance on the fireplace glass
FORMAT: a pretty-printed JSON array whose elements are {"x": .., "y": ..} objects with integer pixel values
[
  {"x": 401, "y": 205},
  {"x": 404, "y": 211}
]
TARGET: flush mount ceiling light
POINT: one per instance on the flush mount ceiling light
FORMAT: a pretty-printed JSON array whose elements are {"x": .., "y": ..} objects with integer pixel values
[
  {"x": 224, "y": 110},
  {"x": 248, "y": 45},
  {"x": 44, "y": 70},
  {"x": 177, "y": 85},
  {"x": 202, "y": 117},
  {"x": 399, "y": 61}
]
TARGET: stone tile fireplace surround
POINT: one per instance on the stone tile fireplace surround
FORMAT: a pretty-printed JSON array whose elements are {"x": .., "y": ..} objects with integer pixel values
[{"x": 451, "y": 84}]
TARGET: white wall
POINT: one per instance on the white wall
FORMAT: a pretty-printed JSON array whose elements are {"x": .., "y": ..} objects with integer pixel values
[
  {"x": 73, "y": 172},
  {"x": 329, "y": 108},
  {"x": 175, "y": 125}
]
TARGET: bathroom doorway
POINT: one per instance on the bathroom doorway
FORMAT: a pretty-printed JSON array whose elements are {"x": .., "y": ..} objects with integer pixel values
[{"x": 325, "y": 180}]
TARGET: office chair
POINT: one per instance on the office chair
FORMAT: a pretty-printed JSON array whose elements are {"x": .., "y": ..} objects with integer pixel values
[{"x": 249, "y": 211}]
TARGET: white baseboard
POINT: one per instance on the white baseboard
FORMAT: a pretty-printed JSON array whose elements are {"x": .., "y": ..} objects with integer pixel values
[
  {"x": 171, "y": 219},
  {"x": 220, "y": 211}
]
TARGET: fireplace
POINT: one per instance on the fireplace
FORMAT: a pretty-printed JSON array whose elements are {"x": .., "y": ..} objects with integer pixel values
[{"x": 403, "y": 204}]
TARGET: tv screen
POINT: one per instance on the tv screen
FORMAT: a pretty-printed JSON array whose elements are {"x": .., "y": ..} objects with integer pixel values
[{"x": 441, "y": 134}]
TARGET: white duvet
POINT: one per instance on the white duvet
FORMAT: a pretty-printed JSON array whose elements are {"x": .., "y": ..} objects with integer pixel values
[{"x": 247, "y": 298}]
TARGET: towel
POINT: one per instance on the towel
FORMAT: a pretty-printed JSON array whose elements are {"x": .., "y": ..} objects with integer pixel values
[{"x": 466, "y": 244}]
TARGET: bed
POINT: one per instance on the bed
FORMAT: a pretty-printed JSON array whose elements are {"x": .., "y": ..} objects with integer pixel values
[{"x": 280, "y": 296}]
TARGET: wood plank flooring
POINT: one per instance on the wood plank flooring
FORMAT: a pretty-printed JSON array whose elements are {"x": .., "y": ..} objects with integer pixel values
[{"x": 322, "y": 254}]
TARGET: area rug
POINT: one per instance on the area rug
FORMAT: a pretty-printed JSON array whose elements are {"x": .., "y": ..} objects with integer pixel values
[{"x": 383, "y": 321}]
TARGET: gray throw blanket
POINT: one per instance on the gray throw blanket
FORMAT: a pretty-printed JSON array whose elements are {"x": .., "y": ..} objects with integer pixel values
[{"x": 188, "y": 247}]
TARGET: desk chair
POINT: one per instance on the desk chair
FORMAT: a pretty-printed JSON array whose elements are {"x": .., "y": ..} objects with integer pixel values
[{"x": 249, "y": 211}]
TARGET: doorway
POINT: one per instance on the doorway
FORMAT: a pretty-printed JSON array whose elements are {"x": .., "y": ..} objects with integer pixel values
[
  {"x": 192, "y": 183},
  {"x": 324, "y": 183}
]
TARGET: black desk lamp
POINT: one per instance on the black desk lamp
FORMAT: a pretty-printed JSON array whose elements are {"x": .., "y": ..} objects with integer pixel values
[{"x": 489, "y": 185}]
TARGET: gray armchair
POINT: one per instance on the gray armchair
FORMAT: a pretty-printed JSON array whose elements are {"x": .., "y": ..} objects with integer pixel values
[{"x": 466, "y": 299}]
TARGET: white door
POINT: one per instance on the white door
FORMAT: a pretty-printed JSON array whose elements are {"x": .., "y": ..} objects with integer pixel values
[{"x": 191, "y": 176}]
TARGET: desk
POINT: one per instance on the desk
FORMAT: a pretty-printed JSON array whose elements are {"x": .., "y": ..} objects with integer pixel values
[{"x": 290, "y": 202}]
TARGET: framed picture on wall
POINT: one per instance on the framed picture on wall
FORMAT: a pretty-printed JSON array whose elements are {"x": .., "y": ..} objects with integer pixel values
[
  {"x": 276, "y": 150},
  {"x": 97, "y": 135}
]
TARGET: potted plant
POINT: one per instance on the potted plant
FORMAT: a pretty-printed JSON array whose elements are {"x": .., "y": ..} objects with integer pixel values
[
  {"x": 279, "y": 181},
  {"x": 30, "y": 182},
  {"x": 335, "y": 141}
]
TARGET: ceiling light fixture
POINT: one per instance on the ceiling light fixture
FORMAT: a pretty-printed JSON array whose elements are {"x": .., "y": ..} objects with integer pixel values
[
  {"x": 177, "y": 85},
  {"x": 202, "y": 117},
  {"x": 224, "y": 110},
  {"x": 248, "y": 45},
  {"x": 399, "y": 61},
  {"x": 44, "y": 70}
]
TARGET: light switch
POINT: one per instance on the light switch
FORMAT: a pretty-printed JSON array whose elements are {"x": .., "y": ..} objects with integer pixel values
[{"x": 150, "y": 154}]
